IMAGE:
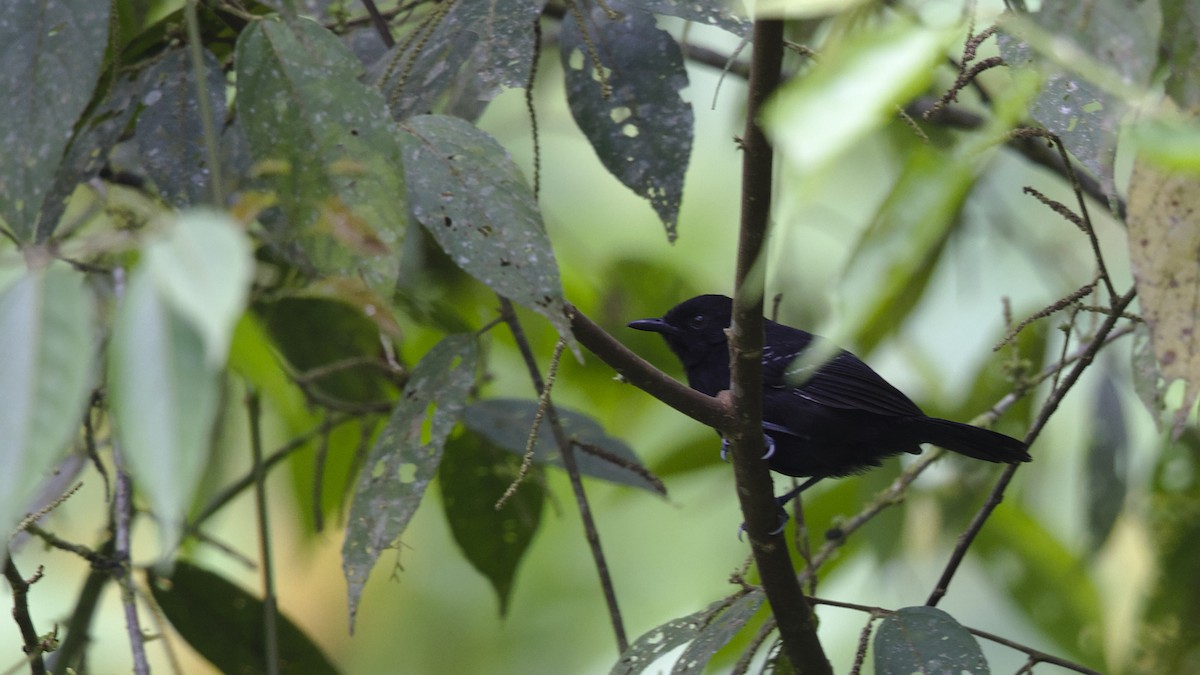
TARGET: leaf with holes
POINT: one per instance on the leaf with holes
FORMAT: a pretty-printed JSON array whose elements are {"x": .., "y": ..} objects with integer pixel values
[
  {"x": 1088, "y": 53},
  {"x": 926, "y": 640},
  {"x": 405, "y": 457},
  {"x": 52, "y": 55},
  {"x": 717, "y": 633},
  {"x": 709, "y": 12},
  {"x": 506, "y": 422},
  {"x": 468, "y": 193},
  {"x": 647, "y": 649},
  {"x": 472, "y": 50},
  {"x": 473, "y": 476},
  {"x": 623, "y": 78},
  {"x": 324, "y": 141}
]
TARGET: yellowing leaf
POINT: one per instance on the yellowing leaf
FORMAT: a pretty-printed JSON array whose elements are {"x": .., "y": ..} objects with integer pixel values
[{"x": 1164, "y": 249}]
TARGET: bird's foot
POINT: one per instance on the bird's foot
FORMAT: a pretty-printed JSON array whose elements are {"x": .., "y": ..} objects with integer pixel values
[
  {"x": 783, "y": 521},
  {"x": 767, "y": 440}
]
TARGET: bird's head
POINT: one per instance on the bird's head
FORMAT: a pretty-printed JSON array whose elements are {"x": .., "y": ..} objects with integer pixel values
[{"x": 694, "y": 329}]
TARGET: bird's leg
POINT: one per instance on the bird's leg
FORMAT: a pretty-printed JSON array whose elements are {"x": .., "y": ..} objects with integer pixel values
[{"x": 786, "y": 498}]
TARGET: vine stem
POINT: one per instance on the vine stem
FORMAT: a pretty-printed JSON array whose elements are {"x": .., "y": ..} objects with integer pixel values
[
  {"x": 567, "y": 449},
  {"x": 270, "y": 615}
]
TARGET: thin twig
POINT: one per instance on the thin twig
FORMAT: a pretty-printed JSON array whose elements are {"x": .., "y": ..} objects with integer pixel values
[
  {"x": 270, "y": 616},
  {"x": 33, "y": 646},
  {"x": 122, "y": 523},
  {"x": 568, "y": 457},
  {"x": 1051, "y": 405},
  {"x": 207, "y": 121},
  {"x": 380, "y": 24}
]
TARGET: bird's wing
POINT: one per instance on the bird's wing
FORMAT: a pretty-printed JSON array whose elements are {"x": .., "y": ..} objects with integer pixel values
[{"x": 841, "y": 382}]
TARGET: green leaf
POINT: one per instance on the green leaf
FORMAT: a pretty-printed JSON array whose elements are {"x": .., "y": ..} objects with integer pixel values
[
  {"x": 52, "y": 56},
  {"x": 45, "y": 372},
  {"x": 1181, "y": 50},
  {"x": 854, "y": 88},
  {"x": 717, "y": 632},
  {"x": 1049, "y": 582},
  {"x": 1107, "y": 461},
  {"x": 472, "y": 51},
  {"x": 170, "y": 133},
  {"x": 203, "y": 266},
  {"x": 473, "y": 476},
  {"x": 163, "y": 394},
  {"x": 1075, "y": 45},
  {"x": 887, "y": 273},
  {"x": 506, "y": 422},
  {"x": 628, "y": 105},
  {"x": 225, "y": 625},
  {"x": 651, "y": 646},
  {"x": 1169, "y": 631},
  {"x": 709, "y": 12},
  {"x": 405, "y": 457},
  {"x": 311, "y": 333},
  {"x": 926, "y": 640},
  {"x": 324, "y": 141},
  {"x": 470, "y": 196}
]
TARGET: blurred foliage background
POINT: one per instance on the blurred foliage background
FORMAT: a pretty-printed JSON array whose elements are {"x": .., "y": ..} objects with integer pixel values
[{"x": 911, "y": 241}]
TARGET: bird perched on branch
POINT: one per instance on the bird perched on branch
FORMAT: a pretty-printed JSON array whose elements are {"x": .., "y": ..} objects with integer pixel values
[{"x": 829, "y": 418}]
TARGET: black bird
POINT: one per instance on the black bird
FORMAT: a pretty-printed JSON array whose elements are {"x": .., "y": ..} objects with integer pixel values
[{"x": 843, "y": 419}]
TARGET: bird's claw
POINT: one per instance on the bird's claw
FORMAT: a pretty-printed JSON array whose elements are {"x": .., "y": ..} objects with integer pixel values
[
  {"x": 783, "y": 521},
  {"x": 767, "y": 440}
]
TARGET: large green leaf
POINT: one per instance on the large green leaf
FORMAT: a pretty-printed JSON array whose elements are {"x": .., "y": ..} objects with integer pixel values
[
  {"x": 1086, "y": 51},
  {"x": 325, "y": 143},
  {"x": 473, "y": 476},
  {"x": 45, "y": 370},
  {"x": 507, "y": 422},
  {"x": 170, "y": 131},
  {"x": 51, "y": 57},
  {"x": 405, "y": 457},
  {"x": 163, "y": 396},
  {"x": 623, "y": 78},
  {"x": 854, "y": 88},
  {"x": 926, "y": 640},
  {"x": 203, "y": 266},
  {"x": 225, "y": 625},
  {"x": 470, "y": 195}
]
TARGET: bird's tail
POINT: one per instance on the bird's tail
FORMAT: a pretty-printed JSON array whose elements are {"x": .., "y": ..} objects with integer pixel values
[{"x": 972, "y": 441}]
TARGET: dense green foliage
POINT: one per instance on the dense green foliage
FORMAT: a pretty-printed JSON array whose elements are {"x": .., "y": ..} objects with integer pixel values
[{"x": 282, "y": 283}]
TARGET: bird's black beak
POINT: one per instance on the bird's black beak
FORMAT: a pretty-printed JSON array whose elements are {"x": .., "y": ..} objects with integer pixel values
[{"x": 654, "y": 326}]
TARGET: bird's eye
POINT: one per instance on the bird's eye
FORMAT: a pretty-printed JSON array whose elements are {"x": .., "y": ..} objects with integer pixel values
[{"x": 697, "y": 321}]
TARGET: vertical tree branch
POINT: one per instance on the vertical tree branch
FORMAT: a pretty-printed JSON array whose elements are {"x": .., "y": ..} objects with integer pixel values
[
  {"x": 508, "y": 313},
  {"x": 797, "y": 629},
  {"x": 122, "y": 524}
]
